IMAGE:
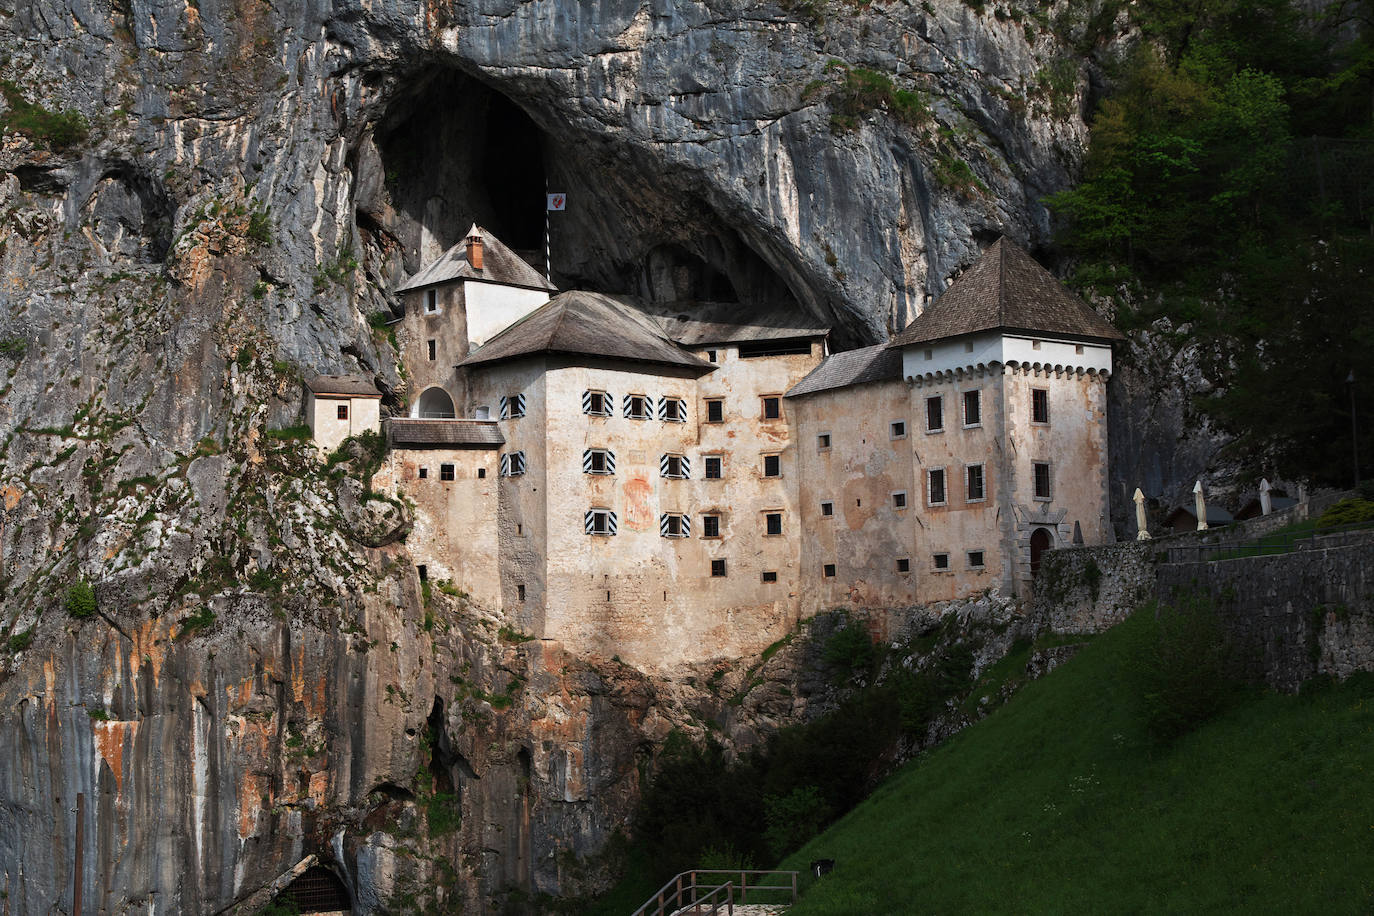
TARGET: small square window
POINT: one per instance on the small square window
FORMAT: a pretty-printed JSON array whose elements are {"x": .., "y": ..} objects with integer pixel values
[
  {"x": 940, "y": 560},
  {"x": 674, "y": 467},
  {"x": 930, "y": 354},
  {"x": 424, "y": 473},
  {"x": 772, "y": 523},
  {"x": 673, "y": 410},
  {"x": 718, "y": 569},
  {"x": 828, "y": 570},
  {"x": 1042, "y": 479},
  {"x": 935, "y": 414},
  {"x": 637, "y": 407},
  {"x": 600, "y": 522},
  {"x": 596, "y": 403},
  {"x": 1078, "y": 349},
  {"x": 772, "y": 407},
  {"x": 935, "y": 492},
  {"x": 714, "y": 467},
  {"x": 974, "y": 488},
  {"x": 711, "y": 356},
  {"x": 973, "y": 408},
  {"x": 513, "y": 464},
  {"x": 1035, "y": 345},
  {"x": 827, "y": 509},
  {"x": 431, "y": 301},
  {"x": 520, "y": 591},
  {"x": 1040, "y": 405},
  {"x": 904, "y": 565},
  {"x": 446, "y": 472},
  {"x": 899, "y": 499},
  {"x": 968, "y": 346},
  {"x": 975, "y": 559},
  {"x": 673, "y": 525},
  {"x": 343, "y": 412},
  {"x": 770, "y": 575},
  {"x": 823, "y": 442},
  {"x": 432, "y": 346},
  {"x": 512, "y": 407},
  {"x": 897, "y": 429},
  {"x": 715, "y": 410},
  {"x": 481, "y": 472},
  {"x": 710, "y": 526},
  {"x": 772, "y": 465},
  {"x": 598, "y": 461}
]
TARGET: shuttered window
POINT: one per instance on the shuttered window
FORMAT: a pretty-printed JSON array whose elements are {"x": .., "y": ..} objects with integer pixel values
[
  {"x": 598, "y": 461},
  {"x": 674, "y": 525},
  {"x": 512, "y": 406},
  {"x": 599, "y": 521},
  {"x": 637, "y": 406},
  {"x": 672, "y": 410},
  {"x": 674, "y": 466},
  {"x": 513, "y": 464},
  {"x": 597, "y": 403}
]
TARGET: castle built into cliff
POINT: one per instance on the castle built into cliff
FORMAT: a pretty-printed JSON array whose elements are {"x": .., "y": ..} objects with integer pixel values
[{"x": 676, "y": 482}]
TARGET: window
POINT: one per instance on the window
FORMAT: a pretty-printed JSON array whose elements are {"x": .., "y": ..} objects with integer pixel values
[
  {"x": 770, "y": 575},
  {"x": 520, "y": 591},
  {"x": 904, "y": 565},
  {"x": 827, "y": 509},
  {"x": 1040, "y": 405},
  {"x": 423, "y": 571},
  {"x": 718, "y": 569},
  {"x": 968, "y": 346},
  {"x": 823, "y": 442},
  {"x": 431, "y": 345},
  {"x": 930, "y": 354},
  {"x": 599, "y": 521},
  {"x": 674, "y": 467},
  {"x": 935, "y": 492},
  {"x": 424, "y": 473},
  {"x": 674, "y": 525},
  {"x": 828, "y": 570},
  {"x": 973, "y": 483},
  {"x": 899, "y": 499},
  {"x": 940, "y": 561},
  {"x": 343, "y": 412},
  {"x": 1078, "y": 349},
  {"x": 897, "y": 429},
  {"x": 711, "y": 356},
  {"x": 481, "y": 472},
  {"x": 772, "y": 465},
  {"x": 975, "y": 559},
  {"x": 1035, "y": 345},
  {"x": 512, "y": 406},
  {"x": 672, "y": 410},
  {"x": 596, "y": 403},
  {"x": 715, "y": 410},
  {"x": 772, "y": 407},
  {"x": 935, "y": 414},
  {"x": 599, "y": 461},
  {"x": 772, "y": 522},
  {"x": 1042, "y": 479},
  {"x": 714, "y": 467},
  {"x": 431, "y": 301},
  {"x": 637, "y": 406},
  {"x": 973, "y": 408},
  {"x": 445, "y": 472},
  {"x": 710, "y": 526},
  {"x": 513, "y": 464}
]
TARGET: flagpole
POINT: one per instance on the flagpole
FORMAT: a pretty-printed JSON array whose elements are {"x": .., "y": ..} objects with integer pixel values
[{"x": 548, "y": 257}]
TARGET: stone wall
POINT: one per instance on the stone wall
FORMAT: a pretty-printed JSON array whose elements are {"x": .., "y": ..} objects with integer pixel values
[{"x": 1088, "y": 589}]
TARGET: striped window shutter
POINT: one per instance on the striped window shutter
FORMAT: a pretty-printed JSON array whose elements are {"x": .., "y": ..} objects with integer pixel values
[
  {"x": 586, "y": 402},
  {"x": 519, "y": 405},
  {"x": 587, "y": 461},
  {"x": 626, "y": 409},
  {"x": 663, "y": 521},
  {"x": 686, "y": 526},
  {"x": 505, "y": 465},
  {"x": 505, "y": 408},
  {"x": 686, "y": 466},
  {"x": 663, "y": 465},
  {"x": 589, "y": 521},
  {"x": 663, "y": 408},
  {"x": 610, "y": 522},
  {"x": 610, "y": 461}
]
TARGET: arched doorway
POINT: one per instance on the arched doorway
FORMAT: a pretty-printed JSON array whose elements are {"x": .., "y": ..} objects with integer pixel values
[
  {"x": 316, "y": 890},
  {"x": 434, "y": 404},
  {"x": 1040, "y": 541}
]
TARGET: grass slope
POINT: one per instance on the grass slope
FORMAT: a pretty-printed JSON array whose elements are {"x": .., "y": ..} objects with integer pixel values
[{"x": 1060, "y": 802}]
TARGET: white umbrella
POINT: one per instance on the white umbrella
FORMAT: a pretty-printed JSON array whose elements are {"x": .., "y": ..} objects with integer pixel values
[
  {"x": 1142, "y": 530},
  {"x": 1200, "y": 506}
]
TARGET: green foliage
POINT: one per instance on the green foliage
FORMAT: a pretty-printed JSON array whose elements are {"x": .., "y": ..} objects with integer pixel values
[
  {"x": 849, "y": 649},
  {"x": 1184, "y": 666},
  {"x": 20, "y": 641},
  {"x": 59, "y": 130},
  {"x": 284, "y": 905},
  {"x": 956, "y": 174},
  {"x": 297, "y": 433},
  {"x": 382, "y": 328},
  {"x": 794, "y": 818},
  {"x": 335, "y": 271},
  {"x": 99, "y": 715},
  {"x": 443, "y": 813},
  {"x": 861, "y": 91},
  {"x": 1261, "y": 809},
  {"x": 260, "y": 226},
  {"x": 13, "y": 347},
  {"x": 202, "y": 619},
  {"x": 509, "y": 634},
  {"x": 80, "y": 600},
  {"x": 1351, "y": 511},
  {"x": 1228, "y": 190}
]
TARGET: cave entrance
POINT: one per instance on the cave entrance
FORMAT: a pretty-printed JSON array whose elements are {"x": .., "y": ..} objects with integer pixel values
[{"x": 316, "y": 890}]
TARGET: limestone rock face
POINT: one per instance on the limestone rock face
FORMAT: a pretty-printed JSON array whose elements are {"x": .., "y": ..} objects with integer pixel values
[{"x": 264, "y": 678}]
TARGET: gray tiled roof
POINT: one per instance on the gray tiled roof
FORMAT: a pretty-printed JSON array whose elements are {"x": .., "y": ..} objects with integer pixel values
[
  {"x": 410, "y": 433},
  {"x": 1006, "y": 289},
  {"x": 852, "y": 367},
  {"x": 351, "y": 386},
  {"x": 499, "y": 265},
  {"x": 695, "y": 324},
  {"x": 584, "y": 323}
]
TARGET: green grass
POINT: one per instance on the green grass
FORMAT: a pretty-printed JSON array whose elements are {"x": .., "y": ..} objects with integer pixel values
[{"x": 1060, "y": 802}]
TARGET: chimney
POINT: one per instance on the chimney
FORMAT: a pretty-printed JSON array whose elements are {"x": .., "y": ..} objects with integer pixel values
[{"x": 474, "y": 243}]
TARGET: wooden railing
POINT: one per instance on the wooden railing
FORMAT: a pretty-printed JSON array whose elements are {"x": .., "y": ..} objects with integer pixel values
[{"x": 708, "y": 891}]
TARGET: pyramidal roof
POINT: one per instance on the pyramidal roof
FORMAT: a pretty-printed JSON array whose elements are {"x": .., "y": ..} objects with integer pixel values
[
  {"x": 1006, "y": 290},
  {"x": 499, "y": 265},
  {"x": 584, "y": 323}
]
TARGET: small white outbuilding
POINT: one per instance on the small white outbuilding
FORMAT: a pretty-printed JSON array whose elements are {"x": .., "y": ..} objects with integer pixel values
[{"x": 339, "y": 406}]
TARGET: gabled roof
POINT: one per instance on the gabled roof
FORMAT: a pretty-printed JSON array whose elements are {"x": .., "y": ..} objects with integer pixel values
[
  {"x": 499, "y": 265},
  {"x": 695, "y": 324},
  {"x": 342, "y": 386},
  {"x": 852, "y": 367},
  {"x": 584, "y": 323},
  {"x": 1006, "y": 290},
  {"x": 414, "y": 433}
]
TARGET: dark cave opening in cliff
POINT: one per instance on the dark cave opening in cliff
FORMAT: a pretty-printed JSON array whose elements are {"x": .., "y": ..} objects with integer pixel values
[
  {"x": 456, "y": 150},
  {"x": 316, "y": 890}
]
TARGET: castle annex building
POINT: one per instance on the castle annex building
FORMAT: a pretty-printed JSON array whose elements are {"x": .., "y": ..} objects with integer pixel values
[{"x": 677, "y": 482}]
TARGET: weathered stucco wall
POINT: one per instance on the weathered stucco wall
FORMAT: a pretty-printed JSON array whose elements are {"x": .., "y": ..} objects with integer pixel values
[{"x": 327, "y": 430}]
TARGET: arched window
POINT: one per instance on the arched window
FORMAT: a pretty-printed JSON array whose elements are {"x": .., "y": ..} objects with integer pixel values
[
  {"x": 1040, "y": 541},
  {"x": 435, "y": 404}
]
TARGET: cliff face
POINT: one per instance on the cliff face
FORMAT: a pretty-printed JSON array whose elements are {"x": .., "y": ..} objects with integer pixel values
[{"x": 263, "y": 678}]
